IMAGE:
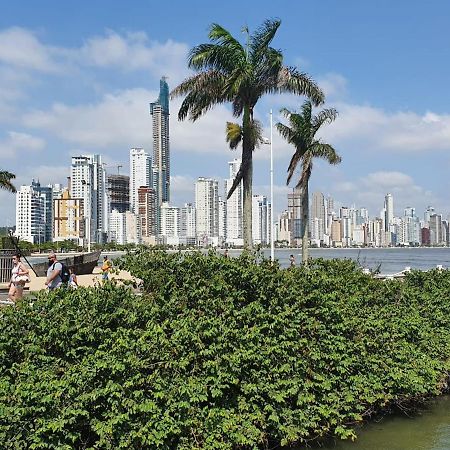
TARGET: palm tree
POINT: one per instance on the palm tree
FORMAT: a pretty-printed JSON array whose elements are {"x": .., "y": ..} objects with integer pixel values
[
  {"x": 5, "y": 181},
  {"x": 228, "y": 71},
  {"x": 301, "y": 133}
]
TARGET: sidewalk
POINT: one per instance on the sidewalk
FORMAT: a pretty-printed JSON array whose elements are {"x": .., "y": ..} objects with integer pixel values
[{"x": 95, "y": 278}]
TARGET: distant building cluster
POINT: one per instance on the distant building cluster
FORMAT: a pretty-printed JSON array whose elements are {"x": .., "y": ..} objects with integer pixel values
[
  {"x": 100, "y": 207},
  {"x": 352, "y": 227}
]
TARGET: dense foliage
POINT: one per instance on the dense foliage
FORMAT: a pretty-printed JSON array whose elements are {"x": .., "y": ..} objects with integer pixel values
[{"x": 219, "y": 353}]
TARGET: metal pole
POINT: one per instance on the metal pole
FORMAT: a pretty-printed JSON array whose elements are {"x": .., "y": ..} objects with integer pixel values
[{"x": 272, "y": 237}]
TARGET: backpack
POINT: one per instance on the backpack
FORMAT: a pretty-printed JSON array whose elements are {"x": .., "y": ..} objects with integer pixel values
[{"x": 64, "y": 274}]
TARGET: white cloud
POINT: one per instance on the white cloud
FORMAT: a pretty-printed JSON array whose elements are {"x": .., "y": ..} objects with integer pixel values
[
  {"x": 134, "y": 51},
  {"x": 20, "y": 48},
  {"x": 123, "y": 120},
  {"x": 19, "y": 145},
  {"x": 334, "y": 85},
  {"x": 369, "y": 191},
  {"x": 367, "y": 128}
]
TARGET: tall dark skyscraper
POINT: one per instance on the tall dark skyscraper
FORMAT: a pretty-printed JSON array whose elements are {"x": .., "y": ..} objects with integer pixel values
[{"x": 159, "y": 111}]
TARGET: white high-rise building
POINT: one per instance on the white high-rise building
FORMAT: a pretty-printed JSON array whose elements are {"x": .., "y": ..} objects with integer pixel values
[
  {"x": 318, "y": 211},
  {"x": 170, "y": 220},
  {"x": 88, "y": 182},
  {"x": 188, "y": 228},
  {"x": 261, "y": 220},
  {"x": 389, "y": 210},
  {"x": 140, "y": 174},
  {"x": 117, "y": 227},
  {"x": 207, "y": 211},
  {"x": 235, "y": 206},
  {"x": 29, "y": 215}
]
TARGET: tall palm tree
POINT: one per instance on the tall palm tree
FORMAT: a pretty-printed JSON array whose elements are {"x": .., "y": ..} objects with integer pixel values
[
  {"x": 228, "y": 71},
  {"x": 301, "y": 133},
  {"x": 5, "y": 181}
]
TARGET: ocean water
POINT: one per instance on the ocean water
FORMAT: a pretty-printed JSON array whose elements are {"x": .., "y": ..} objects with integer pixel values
[{"x": 388, "y": 260}]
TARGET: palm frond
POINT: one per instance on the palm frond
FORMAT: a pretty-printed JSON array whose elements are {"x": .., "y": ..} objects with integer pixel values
[
  {"x": 233, "y": 134},
  {"x": 5, "y": 181},
  {"x": 325, "y": 151},
  {"x": 325, "y": 116},
  {"x": 263, "y": 36},
  {"x": 290, "y": 80}
]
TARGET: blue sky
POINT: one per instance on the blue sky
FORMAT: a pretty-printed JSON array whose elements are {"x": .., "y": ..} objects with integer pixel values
[{"x": 78, "y": 79}]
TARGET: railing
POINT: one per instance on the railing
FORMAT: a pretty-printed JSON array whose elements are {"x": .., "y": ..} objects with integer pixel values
[{"x": 6, "y": 265}]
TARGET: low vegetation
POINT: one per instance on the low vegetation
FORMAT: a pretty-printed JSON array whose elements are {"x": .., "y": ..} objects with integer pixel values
[{"x": 219, "y": 353}]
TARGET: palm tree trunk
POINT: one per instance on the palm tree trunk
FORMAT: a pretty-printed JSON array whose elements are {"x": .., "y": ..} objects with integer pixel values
[
  {"x": 247, "y": 179},
  {"x": 305, "y": 224}
]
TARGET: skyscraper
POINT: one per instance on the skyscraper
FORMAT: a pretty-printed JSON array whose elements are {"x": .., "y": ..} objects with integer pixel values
[
  {"x": 140, "y": 174},
  {"x": 46, "y": 192},
  {"x": 88, "y": 181},
  {"x": 234, "y": 227},
  {"x": 389, "y": 211},
  {"x": 118, "y": 188},
  {"x": 318, "y": 212},
  {"x": 29, "y": 214},
  {"x": 261, "y": 220},
  {"x": 159, "y": 111},
  {"x": 207, "y": 210}
]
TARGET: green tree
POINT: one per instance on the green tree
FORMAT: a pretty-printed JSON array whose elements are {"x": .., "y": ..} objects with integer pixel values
[
  {"x": 301, "y": 133},
  {"x": 5, "y": 181},
  {"x": 228, "y": 71}
]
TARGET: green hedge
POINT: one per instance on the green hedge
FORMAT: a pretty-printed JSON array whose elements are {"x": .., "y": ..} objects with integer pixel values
[{"x": 219, "y": 354}]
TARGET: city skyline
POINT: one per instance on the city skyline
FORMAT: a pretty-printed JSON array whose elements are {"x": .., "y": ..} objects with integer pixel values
[{"x": 84, "y": 88}]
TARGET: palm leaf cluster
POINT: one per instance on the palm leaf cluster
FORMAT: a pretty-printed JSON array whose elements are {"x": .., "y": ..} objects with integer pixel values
[
  {"x": 5, "y": 181},
  {"x": 227, "y": 71},
  {"x": 301, "y": 134}
]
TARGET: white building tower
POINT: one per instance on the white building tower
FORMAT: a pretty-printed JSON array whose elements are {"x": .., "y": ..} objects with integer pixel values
[
  {"x": 235, "y": 206},
  {"x": 140, "y": 174},
  {"x": 29, "y": 215},
  {"x": 88, "y": 181},
  {"x": 207, "y": 211},
  {"x": 389, "y": 211}
]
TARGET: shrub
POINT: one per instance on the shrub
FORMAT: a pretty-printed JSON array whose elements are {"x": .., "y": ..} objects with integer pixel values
[{"x": 219, "y": 354}]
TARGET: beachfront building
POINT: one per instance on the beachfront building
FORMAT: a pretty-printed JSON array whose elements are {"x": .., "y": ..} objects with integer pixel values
[
  {"x": 283, "y": 228},
  {"x": 140, "y": 174},
  {"x": 88, "y": 181},
  {"x": 118, "y": 190},
  {"x": 207, "y": 211},
  {"x": 261, "y": 220},
  {"x": 69, "y": 218},
  {"x": 46, "y": 227},
  {"x": 117, "y": 227},
  {"x": 146, "y": 212},
  {"x": 318, "y": 218},
  {"x": 235, "y": 207},
  {"x": 295, "y": 217},
  {"x": 159, "y": 111},
  {"x": 188, "y": 229},
  {"x": 29, "y": 215},
  {"x": 170, "y": 224}
]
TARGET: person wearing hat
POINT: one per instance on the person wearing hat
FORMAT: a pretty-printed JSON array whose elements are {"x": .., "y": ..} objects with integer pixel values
[{"x": 106, "y": 268}]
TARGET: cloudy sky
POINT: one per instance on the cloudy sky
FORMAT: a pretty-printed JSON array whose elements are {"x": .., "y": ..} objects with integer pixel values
[{"x": 78, "y": 79}]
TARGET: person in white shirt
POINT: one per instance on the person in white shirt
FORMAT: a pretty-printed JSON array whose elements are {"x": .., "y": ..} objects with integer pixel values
[{"x": 53, "y": 273}]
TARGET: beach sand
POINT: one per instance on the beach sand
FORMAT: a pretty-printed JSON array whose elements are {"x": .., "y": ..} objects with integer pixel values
[{"x": 95, "y": 278}]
